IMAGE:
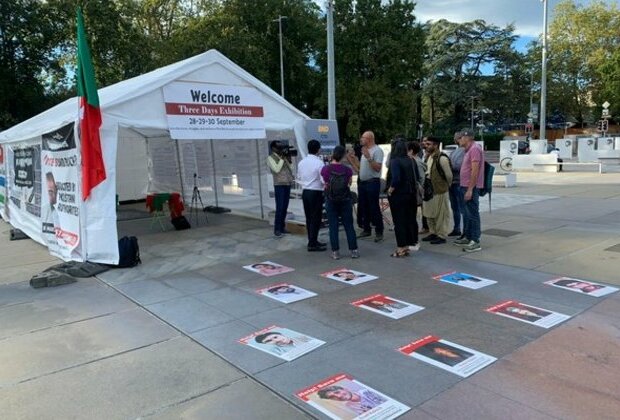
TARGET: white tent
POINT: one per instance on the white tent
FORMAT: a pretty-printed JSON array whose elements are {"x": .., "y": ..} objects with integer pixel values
[{"x": 135, "y": 124}]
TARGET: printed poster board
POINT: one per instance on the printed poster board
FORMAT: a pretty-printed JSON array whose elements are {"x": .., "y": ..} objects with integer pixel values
[
  {"x": 444, "y": 354},
  {"x": 342, "y": 397}
]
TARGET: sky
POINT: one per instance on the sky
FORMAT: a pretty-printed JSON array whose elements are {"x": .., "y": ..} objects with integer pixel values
[{"x": 527, "y": 15}]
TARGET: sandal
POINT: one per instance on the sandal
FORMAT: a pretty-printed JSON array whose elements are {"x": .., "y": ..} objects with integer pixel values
[{"x": 399, "y": 254}]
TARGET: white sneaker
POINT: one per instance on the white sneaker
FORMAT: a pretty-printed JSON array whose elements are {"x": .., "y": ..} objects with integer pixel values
[{"x": 415, "y": 247}]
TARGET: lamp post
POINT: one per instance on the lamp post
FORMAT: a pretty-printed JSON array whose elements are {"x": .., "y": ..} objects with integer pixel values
[
  {"x": 279, "y": 20},
  {"x": 331, "y": 78},
  {"x": 543, "y": 82}
]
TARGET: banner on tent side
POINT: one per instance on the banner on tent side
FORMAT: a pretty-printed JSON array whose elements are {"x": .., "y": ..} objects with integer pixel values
[
  {"x": 60, "y": 201},
  {"x": 24, "y": 186},
  {"x": 2, "y": 184},
  {"x": 206, "y": 111}
]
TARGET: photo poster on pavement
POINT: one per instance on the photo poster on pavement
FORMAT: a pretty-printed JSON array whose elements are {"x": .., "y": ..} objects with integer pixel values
[
  {"x": 282, "y": 342},
  {"x": 454, "y": 358},
  {"x": 527, "y": 313},
  {"x": 268, "y": 268},
  {"x": 285, "y": 293},
  {"x": 61, "y": 203},
  {"x": 348, "y": 276},
  {"x": 342, "y": 397},
  {"x": 581, "y": 286},
  {"x": 3, "y": 192},
  {"x": 387, "y": 306},
  {"x": 464, "y": 280}
]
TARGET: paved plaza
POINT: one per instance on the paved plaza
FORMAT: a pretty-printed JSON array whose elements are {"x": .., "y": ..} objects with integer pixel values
[{"x": 160, "y": 340}]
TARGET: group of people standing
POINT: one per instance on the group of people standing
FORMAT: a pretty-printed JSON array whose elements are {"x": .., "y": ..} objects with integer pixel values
[{"x": 445, "y": 187}]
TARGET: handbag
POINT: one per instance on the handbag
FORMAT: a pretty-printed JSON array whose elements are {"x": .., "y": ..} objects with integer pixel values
[{"x": 428, "y": 189}]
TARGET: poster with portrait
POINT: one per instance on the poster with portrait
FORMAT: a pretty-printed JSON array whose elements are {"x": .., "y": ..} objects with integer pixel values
[
  {"x": 342, "y": 397},
  {"x": 285, "y": 293},
  {"x": 282, "y": 342},
  {"x": 387, "y": 306},
  {"x": 268, "y": 268},
  {"x": 527, "y": 313},
  {"x": 464, "y": 280},
  {"x": 454, "y": 358},
  {"x": 581, "y": 286},
  {"x": 60, "y": 203},
  {"x": 349, "y": 276}
]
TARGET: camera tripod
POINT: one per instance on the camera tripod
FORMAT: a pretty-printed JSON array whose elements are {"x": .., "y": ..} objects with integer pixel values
[{"x": 196, "y": 198}]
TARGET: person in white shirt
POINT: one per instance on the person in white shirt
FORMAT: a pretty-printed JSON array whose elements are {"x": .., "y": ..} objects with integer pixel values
[{"x": 309, "y": 177}]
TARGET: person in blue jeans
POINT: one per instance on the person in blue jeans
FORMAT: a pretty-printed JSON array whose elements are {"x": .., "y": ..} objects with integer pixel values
[
  {"x": 337, "y": 179},
  {"x": 456, "y": 196},
  {"x": 472, "y": 180}
]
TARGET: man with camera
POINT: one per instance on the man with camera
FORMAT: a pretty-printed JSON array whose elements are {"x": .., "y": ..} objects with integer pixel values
[
  {"x": 279, "y": 162},
  {"x": 311, "y": 182}
]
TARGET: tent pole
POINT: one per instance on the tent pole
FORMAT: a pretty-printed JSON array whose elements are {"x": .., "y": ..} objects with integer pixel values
[
  {"x": 260, "y": 181},
  {"x": 217, "y": 204},
  {"x": 176, "y": 146}
]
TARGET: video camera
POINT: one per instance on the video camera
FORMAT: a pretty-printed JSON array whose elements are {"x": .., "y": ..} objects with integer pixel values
[{"x": 283, "y": 149}]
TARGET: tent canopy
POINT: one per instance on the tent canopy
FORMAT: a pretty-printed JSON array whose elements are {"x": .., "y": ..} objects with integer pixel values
[{"x": 138, "y": 102}]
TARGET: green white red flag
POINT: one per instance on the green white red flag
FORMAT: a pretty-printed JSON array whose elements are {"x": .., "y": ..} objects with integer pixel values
[{"x": 93, "y": 168}]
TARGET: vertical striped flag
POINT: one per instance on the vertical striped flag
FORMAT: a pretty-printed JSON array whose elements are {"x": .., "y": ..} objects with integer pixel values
[{"x": 93, "y": 168}]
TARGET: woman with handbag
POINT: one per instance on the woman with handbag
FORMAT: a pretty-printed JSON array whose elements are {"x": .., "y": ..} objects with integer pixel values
[{"x": 402, "y": 194}]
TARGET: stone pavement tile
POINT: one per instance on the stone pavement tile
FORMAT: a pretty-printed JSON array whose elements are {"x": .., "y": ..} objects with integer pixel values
[
  {"x": 223, "y": 340},
  {"x": 23, "y": 272},
  {"x": 585, "y": 353},
  {"x": 468, "y": 401},
  {"x": 494, "y": 341},
  {"x": 15, "y": 258},
  {"x": 125, "y": 386},
  {"x": 609, "y": 307},
  {"x": 74, "y": 304},
  {"x": 21, "y": 292},
  {"x": 238, "y": 401},
  {"x": 580, "y": 264},
  {"x": 146, "y": 292},
  {"x": 189, "y": 314},
  {"x": 284, "y": 317},
  {"x": 563, "y": 208},
  {"x": 417, "y": 414},
  {"x": 46, "y": 351},
  {"x": 230, "y": 274},
  {"x": 388, "y": 371},
  {"x": 237, "y": 303},
  {"x": 190, "y": 282},
  {"x": 537, "y": 249},
  {"x": 546, "y": 393}
]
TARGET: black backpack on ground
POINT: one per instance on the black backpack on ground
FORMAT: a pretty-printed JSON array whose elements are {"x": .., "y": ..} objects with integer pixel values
[
  {"x": 338, "y": 187},
  {"x": 128, "y": 252},
  {"x": 180, "y": 223}
]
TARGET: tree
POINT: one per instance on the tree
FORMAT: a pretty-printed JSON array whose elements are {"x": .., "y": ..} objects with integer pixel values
[
  {"x": 378, "y": 52},
  {"x": 582, "y": 43},
  {"x": 26, "y": 39},
  {"x": 458, "y": 55}
]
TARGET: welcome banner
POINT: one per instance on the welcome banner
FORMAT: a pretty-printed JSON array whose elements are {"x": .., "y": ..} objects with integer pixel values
[{"x": 202, "y": 111}]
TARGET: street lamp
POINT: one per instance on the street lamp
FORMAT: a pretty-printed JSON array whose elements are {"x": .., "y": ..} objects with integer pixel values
[
  {"x": 331, "y": 78},
  {"x": 543, "y": 82},
  {"x": 279, "y": 20}
]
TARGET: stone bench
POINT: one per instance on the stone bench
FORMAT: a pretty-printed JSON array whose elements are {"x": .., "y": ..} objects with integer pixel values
[{"x": 564, "y": 164}]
